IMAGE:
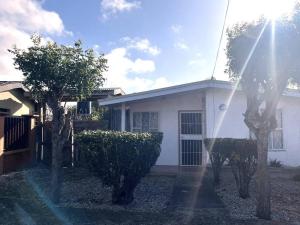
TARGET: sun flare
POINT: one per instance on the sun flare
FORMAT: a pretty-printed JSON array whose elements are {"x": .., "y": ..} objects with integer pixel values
[
  {"x": 275, "y": 9},
  {"x": 248, "y": 10}
]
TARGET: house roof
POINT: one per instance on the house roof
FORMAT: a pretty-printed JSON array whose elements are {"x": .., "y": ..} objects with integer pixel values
[
  {"x": 97, "y": 94},
  {"x": 10, "y": 85},
  {"x": 204, "y": 84}
]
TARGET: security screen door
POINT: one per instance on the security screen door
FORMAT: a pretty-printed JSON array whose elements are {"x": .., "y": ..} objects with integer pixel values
[{"x": 190, "y": 138}]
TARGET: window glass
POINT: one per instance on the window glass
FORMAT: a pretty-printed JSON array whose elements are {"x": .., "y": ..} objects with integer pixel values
[
  {"x": 137, "y": 121},
  {"x": 191, "y": 123},
  {"x": 145, "y": 121},
  {"x": 153, "y": 123},
  {"x": 276, "y": 136}
]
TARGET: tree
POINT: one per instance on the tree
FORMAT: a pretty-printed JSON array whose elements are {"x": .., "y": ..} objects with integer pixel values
[
  {"x": 243, "y": 161},
  {"x": 219, "y": 150},
  {"x": 264, "y": 57},
  {"x": 50, "y": 71}
]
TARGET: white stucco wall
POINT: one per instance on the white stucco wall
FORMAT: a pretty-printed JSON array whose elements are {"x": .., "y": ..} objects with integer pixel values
[
  {"x": 168, "y": 108},
  {"x": 290, "y": 155},
  {"x": 230, "y": 122},
  {"x": 218, "y": 123}
]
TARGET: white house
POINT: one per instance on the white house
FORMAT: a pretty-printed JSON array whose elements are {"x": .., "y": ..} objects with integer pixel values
[{"x": 188, "y": 113}]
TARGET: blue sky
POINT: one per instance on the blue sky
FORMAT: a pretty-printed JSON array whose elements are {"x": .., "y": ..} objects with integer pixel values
[
  {"x": 185, "y": 35},
  {"x": 148, "y": 43}
]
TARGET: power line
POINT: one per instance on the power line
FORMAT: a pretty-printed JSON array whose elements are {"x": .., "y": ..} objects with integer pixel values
[
  {"x": 220, "y": 41},
  {"x": 215, "y": 64}
]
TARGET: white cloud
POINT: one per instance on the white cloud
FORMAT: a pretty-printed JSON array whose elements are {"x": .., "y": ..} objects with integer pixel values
[
  {"x": 181, "y": 45},
  {"x": 176, "y": 28},
  {"x": 18, "y": 20},
  {"x": 127, "y": 73},
  {"x": 111, "y": 7},
  {"x": 198, "y": 61},
  {"x": 140, "y": 44},
  {"x": 96, "y": 49},
  {"x": 28, "y": 15},
  {"x": 143, "y": 66}
]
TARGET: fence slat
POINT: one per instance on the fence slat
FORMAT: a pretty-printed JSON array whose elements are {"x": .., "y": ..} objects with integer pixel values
[{"x": 16, "y": 131}]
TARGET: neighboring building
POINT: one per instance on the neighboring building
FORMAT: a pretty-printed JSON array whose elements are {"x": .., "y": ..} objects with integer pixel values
[
  {"x": 190, "y": 112},
  {"x": 15, "y": 99}
]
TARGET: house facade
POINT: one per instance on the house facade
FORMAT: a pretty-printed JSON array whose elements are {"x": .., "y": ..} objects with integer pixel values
[
  {"x": 188, "y": 113},
  {"x": 15, "y": 99}
]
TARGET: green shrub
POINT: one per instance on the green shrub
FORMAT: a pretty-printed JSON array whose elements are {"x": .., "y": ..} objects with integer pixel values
[
  {"x": 242, "y": 157},
  {"x": 120, "y": 159},
  {"x": 243, "y": 162},
  {"x": 219, "y": 149},
  {"x": 275, "y": 163},
  {"x": 296, "y": 177}
]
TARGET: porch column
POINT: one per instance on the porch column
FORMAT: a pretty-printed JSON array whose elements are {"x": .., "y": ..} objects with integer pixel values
[
  {"x": 1, "y": 144},
  {"x": 123, "y": 117}
]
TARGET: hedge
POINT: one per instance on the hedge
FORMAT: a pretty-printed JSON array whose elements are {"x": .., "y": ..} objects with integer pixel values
[
  {"x": 120, "y": 159},
  {"x": 219, "y": 149},
  {"x": 241, "y": 155},
  {"x": 243, "y": 162}
]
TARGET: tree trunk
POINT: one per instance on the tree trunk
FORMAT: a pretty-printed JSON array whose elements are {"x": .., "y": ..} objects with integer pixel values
[
  {"x": 263, "y": 208},
  {"x": 56, "y": 176},
  {"x": 125, "y": 194},
  {"x": 244, "y": 186},
  {"x": 61, "y": 127},
  {"x": 216, "y": 172}
]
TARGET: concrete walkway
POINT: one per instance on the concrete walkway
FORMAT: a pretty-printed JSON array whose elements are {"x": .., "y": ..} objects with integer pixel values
[{"x": 194, "y": 195}]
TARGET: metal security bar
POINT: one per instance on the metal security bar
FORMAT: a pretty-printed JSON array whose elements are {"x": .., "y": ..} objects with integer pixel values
[
  {"x": 191, "y": 151},
  {"x": 190, "y": 138}
]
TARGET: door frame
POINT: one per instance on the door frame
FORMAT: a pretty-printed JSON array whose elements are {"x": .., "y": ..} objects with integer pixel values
[{"x": 202, "y": 137}]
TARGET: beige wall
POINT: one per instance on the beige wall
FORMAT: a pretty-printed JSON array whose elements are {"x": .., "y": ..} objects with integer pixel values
[{"x": 16, "y": 103}]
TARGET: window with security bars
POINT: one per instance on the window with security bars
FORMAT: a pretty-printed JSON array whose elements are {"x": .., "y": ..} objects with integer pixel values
[
  {"x": 275, "y": 141},
  {"x": 145, "y": 122},
  {"x": 191, "y": 123},
  {"x": 276, "y": 136}
]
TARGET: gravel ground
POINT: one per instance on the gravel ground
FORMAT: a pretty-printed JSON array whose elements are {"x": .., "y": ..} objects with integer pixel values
[
  {"x": 285, "y": 197},
  {"x": 84, "y": 197},
  {"x": 151, "y": 195},
  {"x": 82, "y": 190}
]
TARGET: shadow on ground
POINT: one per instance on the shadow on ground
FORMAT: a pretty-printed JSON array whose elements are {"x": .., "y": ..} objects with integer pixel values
[{"x": 193, "y": 202}]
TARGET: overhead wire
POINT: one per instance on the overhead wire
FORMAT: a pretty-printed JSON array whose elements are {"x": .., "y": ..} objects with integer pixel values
[{"x": 215, "y": 63}]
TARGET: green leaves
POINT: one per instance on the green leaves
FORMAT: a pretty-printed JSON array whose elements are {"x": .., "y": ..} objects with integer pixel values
[
  {"x": 52, "y": 70},
  {"x": 242, "y": 157},
  {"x": 120, "y": 159}
]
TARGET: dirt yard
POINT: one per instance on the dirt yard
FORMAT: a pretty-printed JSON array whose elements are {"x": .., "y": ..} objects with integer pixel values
[
  {"x": 159, "y": 199},
  {"x": 285, "y": 197}
]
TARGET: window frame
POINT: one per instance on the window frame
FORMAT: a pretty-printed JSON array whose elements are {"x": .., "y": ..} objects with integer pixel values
[
  {"x": 140, "y": 128},
  {"x": 270, "y": 148},
  {"x": 280, "y": 129}
]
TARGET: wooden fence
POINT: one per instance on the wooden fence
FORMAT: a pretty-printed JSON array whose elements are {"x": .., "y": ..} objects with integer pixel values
[
  {"x": 17, "y": 142},
  {"x": 71, "y": 154}
]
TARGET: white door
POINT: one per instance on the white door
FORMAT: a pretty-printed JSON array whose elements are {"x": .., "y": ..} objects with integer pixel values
[{"x": 190, "y": 138}]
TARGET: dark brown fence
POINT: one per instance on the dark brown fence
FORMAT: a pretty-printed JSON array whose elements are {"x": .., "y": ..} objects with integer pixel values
[
  {"x": 16, "y": 133},
  {"x": 71, "y": 155},
  {"x": 17, "y": 142}
]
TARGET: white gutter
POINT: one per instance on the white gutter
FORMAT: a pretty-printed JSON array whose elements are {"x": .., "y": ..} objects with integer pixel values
[
  {"x": 178, "y": 89},
  {"x": 166, "y": 91}
]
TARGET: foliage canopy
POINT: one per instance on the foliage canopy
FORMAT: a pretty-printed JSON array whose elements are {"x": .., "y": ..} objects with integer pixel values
[{"x": 52, "y": 70}]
